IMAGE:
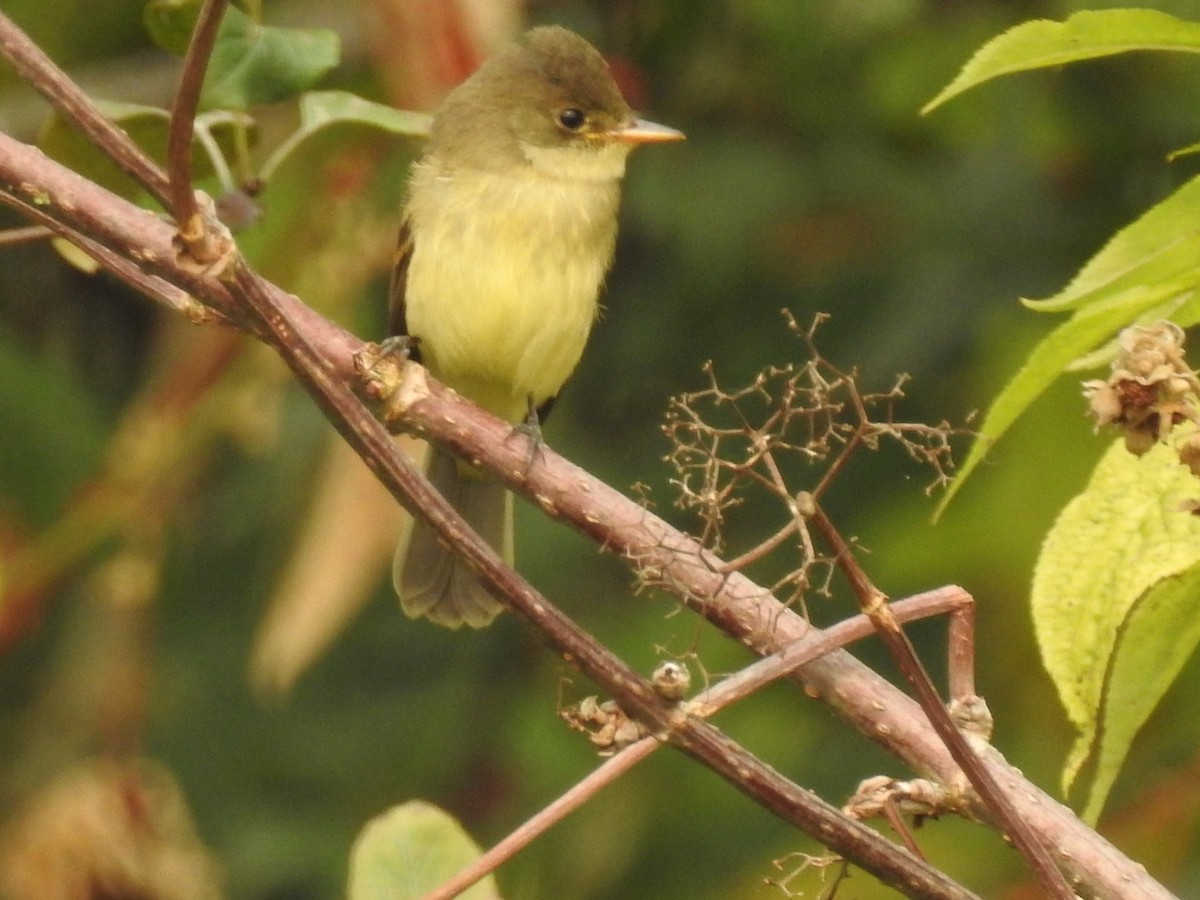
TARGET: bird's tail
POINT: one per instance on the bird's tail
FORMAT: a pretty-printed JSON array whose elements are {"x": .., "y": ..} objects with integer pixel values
[{"x": 436, "y": 583}]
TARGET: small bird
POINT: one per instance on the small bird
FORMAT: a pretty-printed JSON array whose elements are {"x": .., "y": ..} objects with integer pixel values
[{"x": 509, "y": 228}]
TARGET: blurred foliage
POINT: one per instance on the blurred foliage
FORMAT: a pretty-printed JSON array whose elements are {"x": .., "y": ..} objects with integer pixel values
[
  {"x": 410, "y": 850},
  {"x": 808, "y": 181}
]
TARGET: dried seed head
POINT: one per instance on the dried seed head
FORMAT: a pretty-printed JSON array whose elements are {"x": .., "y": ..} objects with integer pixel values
[
  {"x": 671, "y": 680},
  {"x": 1151, "y": 388}
]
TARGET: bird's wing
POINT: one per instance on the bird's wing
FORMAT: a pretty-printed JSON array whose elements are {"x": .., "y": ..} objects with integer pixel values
[{"x": 397, "y": 320}]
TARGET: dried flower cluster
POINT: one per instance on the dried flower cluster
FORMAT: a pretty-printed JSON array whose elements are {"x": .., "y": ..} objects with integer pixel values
[
  {"x": 730, "y": 445},
  {"x": 607, "y": 726},
  {"x": 1151, "y": 390}
]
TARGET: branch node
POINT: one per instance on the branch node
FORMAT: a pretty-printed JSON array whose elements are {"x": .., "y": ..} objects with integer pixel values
[
  {"x": 199, "y": 314},
  {"x": 389, "y": 378},
  {"x": 203, "y": 244},
  {"x": 974, "y": 720}
]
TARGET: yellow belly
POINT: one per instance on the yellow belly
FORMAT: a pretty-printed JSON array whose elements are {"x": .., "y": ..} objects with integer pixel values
[{"x": 503, "y": 282}]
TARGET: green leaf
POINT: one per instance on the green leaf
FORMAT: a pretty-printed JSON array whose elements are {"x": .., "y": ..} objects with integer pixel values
[
  {"x": 251, "y": 64},
  {"x": 74, "y": 256},
  {"x": 1161, "y": 245},
  {"x": 255, "y": 64},
  {"x": 1085, "y": 35},
  {"x": 408, "y": 851},
  {"x": 320, "y": 109},
  {"x": 1113, "y": 602},
  {"x": 1081, "y": 333},
  {"x": 1179, "y": 309}
]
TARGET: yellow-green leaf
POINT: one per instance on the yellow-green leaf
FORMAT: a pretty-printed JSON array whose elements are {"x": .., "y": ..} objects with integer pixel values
[
  {"x": 1180, "y": 309},
  {"x": 1158, "y": 638},
  {"x": 1111, "y": 594},
  {"x": 1042, "y": 43},
  {"x": 74, "y": 256},
  {"x": 409, "y": 850}
]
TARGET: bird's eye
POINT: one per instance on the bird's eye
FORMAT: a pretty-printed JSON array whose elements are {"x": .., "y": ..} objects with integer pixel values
[{"x": 572, "y": 119}]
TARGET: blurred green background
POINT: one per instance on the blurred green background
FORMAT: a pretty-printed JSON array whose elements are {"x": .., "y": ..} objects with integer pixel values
[{"x": 808, "y": 181}]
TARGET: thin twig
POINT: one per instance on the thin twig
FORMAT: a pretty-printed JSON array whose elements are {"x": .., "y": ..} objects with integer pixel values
[
  {"x": 894, "y": 818},
  {"x": 759, "y": 551},
  {"x": 10, "y": 237},
  {"x": 192, "y": 229},
  {"x": 818, "y": 643},
  {"x": 960, "y": 643}
]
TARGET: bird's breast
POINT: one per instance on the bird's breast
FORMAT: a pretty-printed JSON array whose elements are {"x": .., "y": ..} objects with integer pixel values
[{"x": 504, "y": 279}]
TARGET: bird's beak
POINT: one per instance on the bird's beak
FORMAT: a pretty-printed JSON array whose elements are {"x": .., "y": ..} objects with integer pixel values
[{"x": 639, "y": 131}]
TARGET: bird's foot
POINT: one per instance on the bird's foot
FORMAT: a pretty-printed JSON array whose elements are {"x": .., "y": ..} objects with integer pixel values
[{"x": 531, "y": 429}]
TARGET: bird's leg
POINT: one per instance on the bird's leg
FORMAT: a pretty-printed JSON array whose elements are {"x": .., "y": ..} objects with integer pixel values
[{"x": 531, "y": 428}]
